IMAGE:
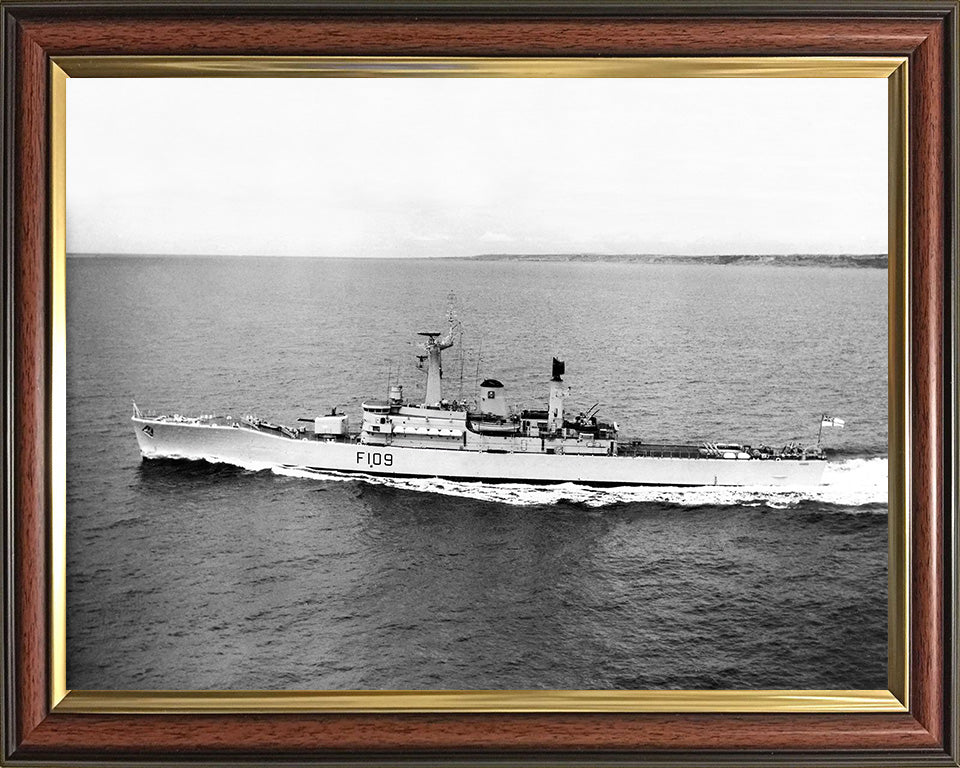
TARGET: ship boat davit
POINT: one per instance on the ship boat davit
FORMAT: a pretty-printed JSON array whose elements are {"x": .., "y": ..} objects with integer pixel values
[{"x": 485, "y": 441}]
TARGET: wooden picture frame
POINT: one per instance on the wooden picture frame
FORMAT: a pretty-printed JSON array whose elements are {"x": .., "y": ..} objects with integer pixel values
[{"x": 39, "y": 728}]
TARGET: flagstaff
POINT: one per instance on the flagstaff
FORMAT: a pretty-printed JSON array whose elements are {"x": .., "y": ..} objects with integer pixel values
[{"x": 828, "y": 421}]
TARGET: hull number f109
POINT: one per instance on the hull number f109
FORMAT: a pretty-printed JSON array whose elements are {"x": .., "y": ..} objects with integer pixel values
[{"x": 375, "y": 459}]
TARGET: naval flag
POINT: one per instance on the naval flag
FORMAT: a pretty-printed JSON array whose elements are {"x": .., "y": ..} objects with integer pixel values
[{"x": 830, "y": 421}]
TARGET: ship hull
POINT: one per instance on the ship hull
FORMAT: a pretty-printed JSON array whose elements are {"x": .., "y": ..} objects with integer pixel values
[{"x": 245, "y": 447}]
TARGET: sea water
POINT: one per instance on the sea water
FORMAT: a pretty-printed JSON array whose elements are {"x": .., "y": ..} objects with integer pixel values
[{"x": 191, "y": 575}]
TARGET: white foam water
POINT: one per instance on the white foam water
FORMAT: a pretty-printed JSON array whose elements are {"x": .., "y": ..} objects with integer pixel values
[
  {"x": 250, "y": 466},
  {"x": 850, "y": 483}
]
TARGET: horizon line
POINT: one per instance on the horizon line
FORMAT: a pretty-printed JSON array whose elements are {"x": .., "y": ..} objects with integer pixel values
[{"x": 113, "y": 254}]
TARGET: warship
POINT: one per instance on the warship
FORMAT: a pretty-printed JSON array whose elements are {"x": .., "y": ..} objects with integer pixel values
[{"x": 480, "y": 441}]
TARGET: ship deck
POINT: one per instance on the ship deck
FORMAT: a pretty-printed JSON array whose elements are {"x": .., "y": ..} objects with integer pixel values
[{"x": 659, "y": 450}]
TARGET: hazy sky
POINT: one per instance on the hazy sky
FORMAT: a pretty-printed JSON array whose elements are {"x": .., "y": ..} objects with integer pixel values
[{"x": 455, "y": 167}]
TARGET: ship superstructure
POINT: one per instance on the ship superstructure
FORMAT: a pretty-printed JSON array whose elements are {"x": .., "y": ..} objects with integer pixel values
[{"x": 486, "y": 441}]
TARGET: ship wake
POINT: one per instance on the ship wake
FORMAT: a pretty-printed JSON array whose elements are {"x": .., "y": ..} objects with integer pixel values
[{"x": 860, "y": 482}]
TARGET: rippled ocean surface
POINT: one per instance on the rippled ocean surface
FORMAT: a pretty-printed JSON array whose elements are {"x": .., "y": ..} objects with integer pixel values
[{"x": 191, "y": 575}]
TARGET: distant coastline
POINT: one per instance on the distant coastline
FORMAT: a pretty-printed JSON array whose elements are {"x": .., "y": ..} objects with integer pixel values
[
  {"x": 859, "y": 261},
  {"x": 856, "y": 261}
]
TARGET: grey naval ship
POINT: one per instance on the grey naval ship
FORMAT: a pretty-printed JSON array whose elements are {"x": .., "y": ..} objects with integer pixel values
[{"x": 486, "y": 441}]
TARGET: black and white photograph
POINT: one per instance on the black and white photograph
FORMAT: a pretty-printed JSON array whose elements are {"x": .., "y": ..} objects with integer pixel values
[{"x": 470, "y": 383}]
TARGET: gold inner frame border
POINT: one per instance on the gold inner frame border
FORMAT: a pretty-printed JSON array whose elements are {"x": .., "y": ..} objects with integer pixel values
[{"x": 894, "y": 699}]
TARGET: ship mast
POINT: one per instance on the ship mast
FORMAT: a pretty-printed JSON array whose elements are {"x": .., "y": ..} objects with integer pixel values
[{"x": 433, "y": 346}]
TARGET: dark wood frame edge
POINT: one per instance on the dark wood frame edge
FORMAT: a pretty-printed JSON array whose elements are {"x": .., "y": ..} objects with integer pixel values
[
  {"x": 33, "y": 736},
  {"x": 472, "y": 9},
  {"x": 951, "y": 347},
  {"x": 7, "y": 81}
]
